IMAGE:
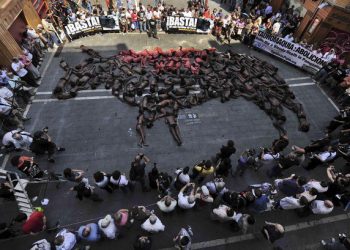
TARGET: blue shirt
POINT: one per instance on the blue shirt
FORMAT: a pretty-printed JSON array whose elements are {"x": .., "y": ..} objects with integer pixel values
[
  {"x": 94, "y": 233},
  {"x": 290, "y": 187},
  {"x": 260, "y": 204}
]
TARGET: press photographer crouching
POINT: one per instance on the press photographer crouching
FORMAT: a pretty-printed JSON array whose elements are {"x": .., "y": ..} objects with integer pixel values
[{"x": 43, "y": 143}]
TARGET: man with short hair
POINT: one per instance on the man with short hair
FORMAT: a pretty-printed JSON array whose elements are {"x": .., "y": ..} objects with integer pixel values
[
  {"x": 153, "y": 224},
  {"x": 321, "y": 207},
  {"x": 89, "y": 232},
  {"x": 186, "y": 198},
  {"x": 167, "y": 204},
  {"x": 152, "y": 32},
  {"x": 183, "y": 239},
  {"x": 35, "y": 223},
  {"x": 137, "y": 171},
  {"x": 17, "y": 140},
  {"x": 65, "y": 240}
]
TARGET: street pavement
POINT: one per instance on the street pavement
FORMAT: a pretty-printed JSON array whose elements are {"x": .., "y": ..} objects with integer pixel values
[{"x": 94, "y": 128}]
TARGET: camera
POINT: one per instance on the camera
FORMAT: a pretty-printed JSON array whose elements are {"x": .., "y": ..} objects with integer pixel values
[{"x": 46, "y": 129}]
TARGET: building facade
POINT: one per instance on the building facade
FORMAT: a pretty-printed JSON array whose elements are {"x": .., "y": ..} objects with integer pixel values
[
  {"x": 15, "y": 15},
  {"x": 326, "y": 24}
]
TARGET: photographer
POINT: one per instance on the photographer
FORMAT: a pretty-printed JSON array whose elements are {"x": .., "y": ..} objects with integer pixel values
[
  {"x": 43, "y": 143},
  {"x": 137, "y": 170},
  {"x": 26, "y": 165},
  {"x": 17, "y": 140}
]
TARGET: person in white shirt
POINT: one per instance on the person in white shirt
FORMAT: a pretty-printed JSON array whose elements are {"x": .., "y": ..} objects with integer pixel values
[
  {"x": 102, "y": 181},
  {"x": 167, "y": 204},
  {"x": 318, "y": 52},
  {"x": 187, "y": 13},
  {"x": 320, "y": 186},
  {"x": 120, "y": 181},
  {"x": 223, "y": 213},
  {"x": 276, "y": 27},
  {"x": 186, "y": 198},
  {"x": 153, "y": 224},
  {"x": 310, "y": 195},
  {"x": 329, "y": 56},
  {"x": 19, "y": 68},
  {"x": 29, "y": 66},
  {"x": 108, "y": 227},
  {"x": 216, "y": 186},
  {"x": 182, "y": 177},
  {"x": 17, "y": 139},
  {"x": 202, "y": 193},
  {"x": 321, "y": 207},
  {"x": 290, "y": 202},
  {"x": 183, "y": 239},
  {"x": 289, "y": 38},
  {"x": 65, "y": 240}
]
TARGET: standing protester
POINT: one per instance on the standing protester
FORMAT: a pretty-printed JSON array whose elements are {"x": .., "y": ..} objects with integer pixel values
[
  {"x": 19, "y": 68},
  {"x": 152, "y": 32},
  {"x": 137, "y": 171}
]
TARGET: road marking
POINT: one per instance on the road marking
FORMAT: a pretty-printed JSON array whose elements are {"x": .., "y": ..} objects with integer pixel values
[
  {"x": 301, "y": 84},
  {"x": 329, "y": 99},
  {"x": 251, "y": 236},
  {"x": 7, "y": 156},
  {"x": 80, "y": 91},
  {"x": 76, "y": 98},
  {"x": 297, "y": 78}
]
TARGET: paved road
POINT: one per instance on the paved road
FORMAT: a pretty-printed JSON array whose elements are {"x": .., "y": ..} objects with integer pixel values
[{"x": 94, "y": 129}]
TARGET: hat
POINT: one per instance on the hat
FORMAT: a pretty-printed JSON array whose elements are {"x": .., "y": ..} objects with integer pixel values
[{"x": 106, "y": 221}]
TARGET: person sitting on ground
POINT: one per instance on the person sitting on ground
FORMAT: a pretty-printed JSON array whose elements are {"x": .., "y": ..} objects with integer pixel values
[
  {"x": 123, "y": 218},
  {"x": 291, "y": 186},
  {"x": 26, "y": 165},
  {"x": 216, "y": 187},
  {"x": 310, "y": 195},
  {"x": 120, "y": 181},
  {"x": 167, "y": 204},
  {"x": 260, "y": 203},
  {"x": 201, "y": 170},
  {"x": 102, "y": 181},
  {"x": 321, "y": 207},
  {"x": 186, "y": 197},
  {"x": 242, "y": 222},
  {"x": 89, "y": 232},
  {"x": 43, "y": 143},
  {"x": 108, "y": 227},
  {"x": 17, "y": 140},
  {"x": 74, "y": 175},
  {"x": 153, "y": 224},
  {"x": 325, "y": 156},
  {"x": 42, "y": 244},
  {"x": 65, "y": 240},
  {"x": 272, "y": 231},
  {"x": 223, "y": 213},
  {"x": 143, "y": 243},
  {"x": 182, "y": 177},
  {"x": 84, "y": 190},
  {"x": 320, "y": 186},
  {"x": 290, "y": 202},
  {"x": 183, "y": 239},
  {"x": 203, "y": 195}
]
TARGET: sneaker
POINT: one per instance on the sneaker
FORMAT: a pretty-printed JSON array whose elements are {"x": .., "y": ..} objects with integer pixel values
[{"x": 323, "y": 243}]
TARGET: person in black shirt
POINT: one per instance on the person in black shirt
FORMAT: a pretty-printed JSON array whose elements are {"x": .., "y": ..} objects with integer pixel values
[
  {"x": 137, "y": 171},
  {"x": 153, "y": 28},
  {"x": 324, "y": 72},
  {"x": 227, "y": 151},
  {"x": 142, "y": 19}
]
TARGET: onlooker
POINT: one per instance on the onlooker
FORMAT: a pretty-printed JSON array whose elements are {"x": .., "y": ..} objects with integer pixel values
[
  {"x": 65, "y": 240},
  {"x": 89, "y": 232},
  {"x": 108, "y": 227}
]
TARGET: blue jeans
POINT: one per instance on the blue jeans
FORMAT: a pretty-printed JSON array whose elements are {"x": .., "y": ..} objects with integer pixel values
[{"x": 142, "y": 26}]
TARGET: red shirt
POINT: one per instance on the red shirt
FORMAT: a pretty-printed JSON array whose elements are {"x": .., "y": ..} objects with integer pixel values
[
  {"x": 133, "y": 17},
  {"x": 34, "y": 224}
]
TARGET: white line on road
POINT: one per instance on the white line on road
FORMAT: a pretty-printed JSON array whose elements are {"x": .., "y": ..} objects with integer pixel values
[
  {"x": 329, "y": 99},
  {"x": 81, "y": 91},
  {"x": 301, "y": 84},
  {"x": 76, "y": 98},
  {"x": 297, "y": 78},
  {"x": 290, "y": 228}
]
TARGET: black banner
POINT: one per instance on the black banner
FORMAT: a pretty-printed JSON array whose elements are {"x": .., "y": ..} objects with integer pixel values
[
  {"x": 92, "y": 24},
  {"x": 188, "y": 24}
]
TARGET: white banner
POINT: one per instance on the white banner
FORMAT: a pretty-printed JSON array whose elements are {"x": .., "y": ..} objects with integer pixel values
[{"x": 289, "y": 51}]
